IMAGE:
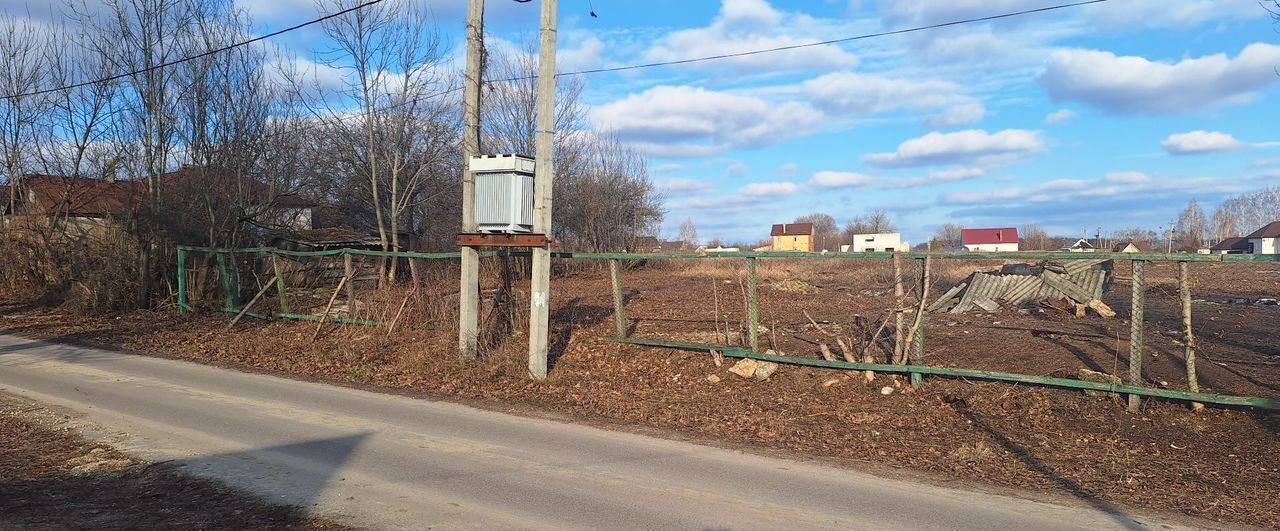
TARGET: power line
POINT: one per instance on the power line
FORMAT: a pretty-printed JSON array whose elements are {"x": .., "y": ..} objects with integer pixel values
[
  {"x": 200, "y": 55},
  {"x": 834, "y": 41},
  {"x": 760, "y": 51}
]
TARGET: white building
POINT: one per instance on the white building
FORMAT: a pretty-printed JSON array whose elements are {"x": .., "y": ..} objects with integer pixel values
[
  {"x": 1265, "y": 240},
  {"x": 1003, "y": 240},
  {"x": 885, "y": 242}
]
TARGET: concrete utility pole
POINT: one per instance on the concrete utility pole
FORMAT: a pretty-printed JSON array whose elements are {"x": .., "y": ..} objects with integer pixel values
[
  {"x": 544, "y": 172},
  {"x": 469, "y": 297}
]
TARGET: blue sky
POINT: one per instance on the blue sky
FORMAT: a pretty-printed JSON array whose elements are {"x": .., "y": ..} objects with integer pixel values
[{"x": 1111, "y": 115}]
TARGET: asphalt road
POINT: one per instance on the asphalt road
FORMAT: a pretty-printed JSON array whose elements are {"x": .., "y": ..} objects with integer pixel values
[{"x": 389, "y": 462}]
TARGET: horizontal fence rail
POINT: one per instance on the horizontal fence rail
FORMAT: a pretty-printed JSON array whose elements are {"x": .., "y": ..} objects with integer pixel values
[
  {"x": 915, "y": 368},
  {"x": 571, "y": 255},
  {"x": 739, "y": 352}
]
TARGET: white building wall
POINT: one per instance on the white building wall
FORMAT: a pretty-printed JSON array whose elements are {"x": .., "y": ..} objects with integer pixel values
[
  {"x": 992, "y": 247},
  {"x": 881, "y": 243},
  {"x": 1265, "y": 245}
]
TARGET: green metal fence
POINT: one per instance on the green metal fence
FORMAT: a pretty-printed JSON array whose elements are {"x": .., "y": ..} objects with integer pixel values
[{"x": 916, "y": 367}]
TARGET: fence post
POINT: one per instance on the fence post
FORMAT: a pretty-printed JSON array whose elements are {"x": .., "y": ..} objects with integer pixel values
[
  {"x": 1189, "y": 338},
  {"x": 281, "y": 290},
  {"x": 182, "y": 281},
  {"x": 619, "y": 314},
  {"x": 1137, "y": 315},
  {"x": 224, "y": 278},
  {"x": 753, "y": 305},
  {"x": 917, "y": 355},
  {"x": 349, "y": 271}
]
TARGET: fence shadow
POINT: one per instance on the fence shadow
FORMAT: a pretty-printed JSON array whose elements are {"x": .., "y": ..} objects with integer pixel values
[{"x": 1117, "y": 515}]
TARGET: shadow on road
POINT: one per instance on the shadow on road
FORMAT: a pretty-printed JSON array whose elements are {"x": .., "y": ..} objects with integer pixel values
[{"x": 55, "y": 480}]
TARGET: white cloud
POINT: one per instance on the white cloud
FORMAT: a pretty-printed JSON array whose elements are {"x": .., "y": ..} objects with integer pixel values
[
  {"x": 589, "y": 53},
  {"x": 676, "y": 187},
  {"x": 969, "y": 146},
  {"x": 840, "y": 179},
  {"x": 1131, "y": 85},
  {"x": 848, "y": 92},
  {"x": 967, "y": 114},
  {"x": 1071, "y": 192},
  {"x": 789, "y": 170},
  {"x": 934, "y": 11},
  {"x": 737, "y": 169},
  {"x": 1163, "y": 13},
  {"x": 769, "y": 189},
  {"x": 683, "y": 121},
  {"x": 1059, "y": 116},
  {"x": 1127, "y": 177},
  {"x": 1198, "y": 142},
  {"x": 744, "y": 25},
  {"x": 934, "y": 177}
]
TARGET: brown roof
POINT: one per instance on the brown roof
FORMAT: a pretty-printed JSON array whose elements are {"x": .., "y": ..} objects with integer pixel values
[
  {"x": 1231, "y": 244},
  {"x": 1270, "y": 230},
  {"x": 80, "y": 196},
  {"x": 1141, "y": 246},
  {"x": 645, "y": 242},
  {"x": 672, "y": 245},
  {"x": 190, "y": 180},
  {"x": 792, "y": 229}
]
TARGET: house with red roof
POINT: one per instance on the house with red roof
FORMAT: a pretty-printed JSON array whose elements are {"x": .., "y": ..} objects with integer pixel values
[{"x": 990, "y": 240}]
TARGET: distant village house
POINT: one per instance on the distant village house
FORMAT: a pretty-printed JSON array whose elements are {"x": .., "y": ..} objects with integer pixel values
[
  {"x": 990, "y": 240},
  {"x": 1265, "y": 240},
  {"x": 1131, "y": 247},
  {"x": 794, "y": 237},
  {"x": 886, "y": 242}
]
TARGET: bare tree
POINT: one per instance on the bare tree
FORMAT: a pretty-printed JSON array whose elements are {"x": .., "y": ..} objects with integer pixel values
[
  {"x": 825, "y": 233},
  {"x": 392, "y": 57},
  {"x": 1135, "y": 235},
  {"x": 873, "y": 222},
  {"x": 22, "y": 71},
  {"x": 1242, "y": 214},
  {"x": 1192, "y": 228},
  {"x": 607, "y": 196},
  {"x": 689, "y": 234},
  {"x": 1034, "y": 238},
  {"x": 949, "y": 235}
]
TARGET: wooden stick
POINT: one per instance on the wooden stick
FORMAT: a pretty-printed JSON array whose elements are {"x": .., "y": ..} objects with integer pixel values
[
  {"x": 281, "y": 290},
  {"x": 899, "y": 352},
  {"x": 826, "y": 352},
  {"x": 328, "y": 307},
  {"x": 1189, "y": 338},
  {"x": 920, "y": 308},
  {"x": 395, "y": 320},
  {"x": 715, "y": 293},
  {"x": 252, "y": 301},
  {"x": 1136, "y": 318},
  {"x": 349, "y": 271},
  {"x": 815, "y": 324}
]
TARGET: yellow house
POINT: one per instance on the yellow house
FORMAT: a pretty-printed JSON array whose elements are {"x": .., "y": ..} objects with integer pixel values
[{"x": 792, "y": 237}]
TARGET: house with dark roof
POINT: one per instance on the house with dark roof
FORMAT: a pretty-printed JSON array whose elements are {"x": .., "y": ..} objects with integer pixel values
[
  {"x": 82, "y": 206},
  {"x": 1231, "y": 246},
  {"x": 1132, "y": 247},
  {"x": 990, "y": 240},
  {"x": 1265, "y": 240},
  {"x": 796, "y": 237},
  {"x": 1082, "y": 245}
]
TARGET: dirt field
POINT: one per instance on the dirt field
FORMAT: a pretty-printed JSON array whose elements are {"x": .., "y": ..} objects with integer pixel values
[
  {"x": 51, "y": 478},
  {"x": 1221, "y": 464}
]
